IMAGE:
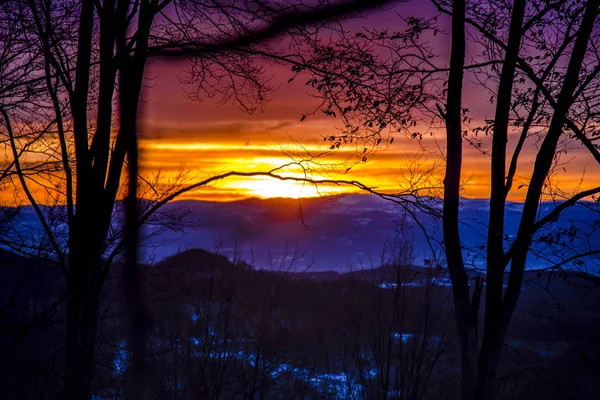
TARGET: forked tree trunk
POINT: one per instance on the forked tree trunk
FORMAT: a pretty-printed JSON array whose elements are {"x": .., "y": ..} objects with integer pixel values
[
  {"x": 495, "y": 325},
  {"x": 499, "y": 310},
  {"x": 83, "y": 281}
]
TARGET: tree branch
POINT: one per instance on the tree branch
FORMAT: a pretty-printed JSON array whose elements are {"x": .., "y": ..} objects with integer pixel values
[
  {"x": 29, "y": 195},
  {"x": 284, "y": 22}
]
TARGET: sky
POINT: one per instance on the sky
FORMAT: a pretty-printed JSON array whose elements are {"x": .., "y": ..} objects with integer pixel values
[
  {"x": 185, "y": 141},
  {"x": 206, "y": 138}
]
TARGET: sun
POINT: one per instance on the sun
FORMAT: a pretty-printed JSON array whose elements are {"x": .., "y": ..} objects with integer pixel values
[{"x": 265, "y": 187}]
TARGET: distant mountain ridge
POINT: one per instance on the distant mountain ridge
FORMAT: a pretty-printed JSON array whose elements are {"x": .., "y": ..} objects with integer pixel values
[
  {"x": 336, "y": 233},
  {"x": 342, "y": 232}
]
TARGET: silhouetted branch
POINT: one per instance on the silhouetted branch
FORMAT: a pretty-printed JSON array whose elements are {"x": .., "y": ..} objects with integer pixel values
[
  {"x": 34, "y": 204},
  {"x": 282, "y": 23}
]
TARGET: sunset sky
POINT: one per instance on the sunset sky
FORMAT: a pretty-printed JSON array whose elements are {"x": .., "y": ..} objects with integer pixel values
[{"x": 206, "y": 139}]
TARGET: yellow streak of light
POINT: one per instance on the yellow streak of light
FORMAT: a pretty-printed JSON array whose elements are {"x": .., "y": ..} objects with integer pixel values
[{"x": 382, "y": 172}]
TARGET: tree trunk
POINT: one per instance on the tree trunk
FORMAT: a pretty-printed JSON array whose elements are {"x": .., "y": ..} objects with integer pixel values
[
  {"x": 83, "y": 280},
  {"x": 452, "y": 245},
  {"x": 499, "y": 311},
  {"x": 82, "y": 322},
  {"x": 494, "y": 327}
]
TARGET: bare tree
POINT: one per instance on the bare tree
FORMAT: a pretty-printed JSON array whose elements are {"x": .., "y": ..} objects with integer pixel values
[
  {"x": 500, "y": 304},
  {"x": 397, "y": 341},
  {"x": 100, "y": 72},
  {"x": 539, "y": 62}
]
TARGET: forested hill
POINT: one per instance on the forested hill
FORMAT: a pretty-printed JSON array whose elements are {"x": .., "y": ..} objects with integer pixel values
[{"x": 229, "y": 314}]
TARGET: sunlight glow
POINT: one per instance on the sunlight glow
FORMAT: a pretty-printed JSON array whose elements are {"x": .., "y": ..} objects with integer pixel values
[
  {"x": 265, "y": 187},
  {"x": 388, "y": 171}
]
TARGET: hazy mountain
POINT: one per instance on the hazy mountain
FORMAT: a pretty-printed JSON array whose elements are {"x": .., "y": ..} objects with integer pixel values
[{"x": 336, "y": 233}]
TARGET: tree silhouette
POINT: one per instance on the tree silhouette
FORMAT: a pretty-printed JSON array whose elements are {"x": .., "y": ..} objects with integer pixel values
[
  {"x": 539, "y": 63},
  {"x": 79, "y": 65}
]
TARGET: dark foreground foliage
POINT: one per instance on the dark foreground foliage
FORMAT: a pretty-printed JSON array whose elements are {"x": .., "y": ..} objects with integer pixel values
[{"x": 223, "y": 330}]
